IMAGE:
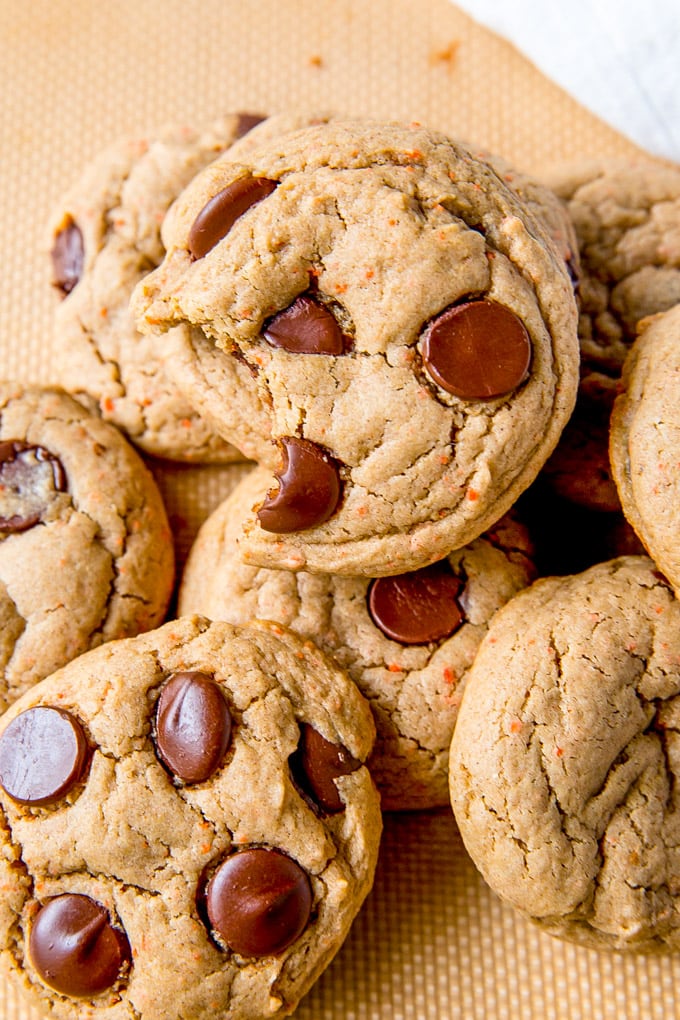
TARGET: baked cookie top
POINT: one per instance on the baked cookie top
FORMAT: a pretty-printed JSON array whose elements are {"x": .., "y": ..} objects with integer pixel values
[
  {"x": 104, "y": 236},
  {"x": 406, "y": 641},
  {"x": 626, "y": 215},
  {"x": 564, "y": 760},
  {"x": 371, "y": 307},
  {"x": 86, "y": 553},
  {"x": 645, "y": 440},
  {"x": 201, "y": 838}
]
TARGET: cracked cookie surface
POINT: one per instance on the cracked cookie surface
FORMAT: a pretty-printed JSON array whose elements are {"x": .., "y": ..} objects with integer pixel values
[
  {"x": 105, "y": 235},
  {"x": 564, "y": 760},
  {"x": 147, "y": 842},
  {"x": 406, "y": 642},
  {"x": 86, "y": 553},
  {"x": 390, "y": 240},
  {"x": 645, "y": 440},
  {"x": 626, "y": 215}
]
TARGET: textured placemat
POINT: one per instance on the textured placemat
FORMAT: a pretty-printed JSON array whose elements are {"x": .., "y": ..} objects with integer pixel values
[{"x": 432, "y": 942}]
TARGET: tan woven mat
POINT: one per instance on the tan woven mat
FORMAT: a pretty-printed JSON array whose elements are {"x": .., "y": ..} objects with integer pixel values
[{"x": 432, "y": 943}]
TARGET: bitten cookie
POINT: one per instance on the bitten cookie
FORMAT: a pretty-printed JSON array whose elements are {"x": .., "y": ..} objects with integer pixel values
[
  {"x": 645, "y": 440},
  {"x": 104, "y": 237},
  {"x": 407, "y": 641},
  {"x": 373, "y": 314},
  {"x": 86, "y": 554},
  {"x": 189, "y": 828},
  {"x": 565, "y": 757}
]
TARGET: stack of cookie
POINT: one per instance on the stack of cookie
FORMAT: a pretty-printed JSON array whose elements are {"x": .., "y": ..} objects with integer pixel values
[{"x": 381, "y": 326}]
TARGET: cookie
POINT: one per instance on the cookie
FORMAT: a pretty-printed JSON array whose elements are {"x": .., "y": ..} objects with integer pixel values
[
  {"x": 645, "y": 440},
  {"x": 564, "y": 761},
  {"x": 626, "y": 215},
  {"x": 199, "y": 841},
  {"x": 86, "y": 554},
  {"x": 104, "y": 236},
  {"x": 407, "y": 641},
  {"x": 317, "y": 293}
]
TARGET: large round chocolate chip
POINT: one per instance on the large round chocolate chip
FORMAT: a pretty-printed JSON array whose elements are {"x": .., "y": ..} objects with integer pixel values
[
  {"x": 322, "y": 762},
  {"x": 417, "y": 607},
  {"x": 219, "y": 214},
  {"x": 43, "y": 754},
  {"x": 193, "y": 726},
  {"x": 306, "y": 327},
  {"x": 477, "y": 350},
  {"x": 309, "y": 489},
  {"x": 258, "y": 901},
  {"x": 68, "y": 257},
  {"x": 29, "y": 477},
  {"x": 75, "y": 948}
]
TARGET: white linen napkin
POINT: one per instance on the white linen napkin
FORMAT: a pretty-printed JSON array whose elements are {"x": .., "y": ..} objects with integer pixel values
[{"x": 619, "y": 58}]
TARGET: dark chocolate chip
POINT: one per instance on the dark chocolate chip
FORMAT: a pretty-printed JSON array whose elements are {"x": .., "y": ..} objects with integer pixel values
[
  {"x": 29, "y": 477},
  {"x": 322, "y": 762},
  {"x": 417, "y": 607},
  {"x": 247, "y": 121},
  {"x": 75, "y": 948},
  {"x": 219, "y": 214},
  {"x": 306, "y": 327},
  {"x": 68, "y": 257},
  {"x": 258, "y": 901},
  {"x": 309, "y": 488},
  {"x": 193, "y": 726},
  {"x": 477, "y": 350},
  {"x": 43, "y": 754}
]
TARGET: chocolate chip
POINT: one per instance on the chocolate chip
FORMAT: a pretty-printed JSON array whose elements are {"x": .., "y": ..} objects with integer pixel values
[
  {"x": 68, "y": 257},
  {"x": 219, "y": 214},
  {"x": 247, "y": 121},
  {"x": 258, "y": 901},
  {"x": 75, "y": 948},
  {"x": 309, "y": 488},
  {"x": 29, "y": 477},
  {"x": 417, "y": 607},
  {"x": 319, "y": 764},
  {"x": 193, "y": 726},
  {"x": 306, "y": 327},
  {"x": 477, "y": 350},
  {"x": 43, "y": 754}
]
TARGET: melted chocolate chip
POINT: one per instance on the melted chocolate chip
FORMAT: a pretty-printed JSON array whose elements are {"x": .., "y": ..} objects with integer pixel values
[
  {"x": 306, "y": 327},
  {"x": 417, "y": 607},
  {"x": 258, "y": 901},
  {"x": 477, "y": 350},
  {"x": 219, "y": 214},
  {"x": 43, "y": 754},
  {"x": 68, "y": 257},
  {"x": 29, "y": 477},
  {"x": 309, "y": 488},
  {"x": 247, "y": 121},
  {"x": 319, "y": 763},
  {"x": 193, "y": 726},
  {"x": 75, "y": 948}
]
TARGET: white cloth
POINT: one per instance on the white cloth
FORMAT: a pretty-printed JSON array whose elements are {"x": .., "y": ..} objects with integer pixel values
[{"x": 619, "y": 58}]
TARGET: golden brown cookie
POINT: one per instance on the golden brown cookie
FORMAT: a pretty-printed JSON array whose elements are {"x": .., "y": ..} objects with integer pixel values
[
  {"x": 104, "y": 236},
  {"x": 188, "y": 826},
  {"x": 407, "y": 641},
  {"x": 645, "y": 440},
  {"x": 626, "y": 215},
  {"x": 565, "y": 757},
  {"x": 372, "y": 313},
  {"x": 86, "y": 553}
]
